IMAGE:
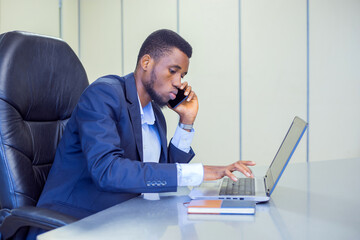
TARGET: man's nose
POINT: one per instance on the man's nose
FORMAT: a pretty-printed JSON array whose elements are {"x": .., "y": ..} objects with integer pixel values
[{"x": 177, "y": 81}]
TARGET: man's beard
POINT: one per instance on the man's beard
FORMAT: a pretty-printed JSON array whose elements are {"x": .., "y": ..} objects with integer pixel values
[{"x": 149, "y": 87}]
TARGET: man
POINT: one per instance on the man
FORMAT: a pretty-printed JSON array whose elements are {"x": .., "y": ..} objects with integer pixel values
[{"x": 114, "y": 146}]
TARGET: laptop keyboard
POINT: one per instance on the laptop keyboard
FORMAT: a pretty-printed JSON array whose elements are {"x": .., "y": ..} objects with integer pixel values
[{"x": 244, "y": 186}]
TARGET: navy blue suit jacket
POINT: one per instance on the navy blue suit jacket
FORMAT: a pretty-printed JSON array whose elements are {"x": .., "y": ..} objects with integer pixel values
[{"x": 98, "y": 162}]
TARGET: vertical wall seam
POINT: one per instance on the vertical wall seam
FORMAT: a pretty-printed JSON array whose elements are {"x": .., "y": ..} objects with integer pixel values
[
  {"x": 240, "y": 82},
  {"x": 60, "y": 20},
  {"x": 122, "y": 36},
  {"x": 308, "y": 100},
  {"x": 0, "y": 19},
  {"x": 178, "y": 16},
  {"x": 307, "y": 78}
]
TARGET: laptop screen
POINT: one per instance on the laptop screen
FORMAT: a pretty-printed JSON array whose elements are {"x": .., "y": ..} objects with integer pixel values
[{"x": 284, "y": 153}]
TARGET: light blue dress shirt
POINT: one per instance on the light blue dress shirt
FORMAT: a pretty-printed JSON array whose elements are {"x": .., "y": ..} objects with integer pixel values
[{"x": 187, "y": 174}]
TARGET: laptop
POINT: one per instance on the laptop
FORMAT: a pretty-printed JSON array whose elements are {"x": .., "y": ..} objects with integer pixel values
[{"x": 255, "y": 189}]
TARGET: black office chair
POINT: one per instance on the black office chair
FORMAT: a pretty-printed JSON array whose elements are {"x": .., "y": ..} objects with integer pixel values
[{"x": 41, "y": 80}]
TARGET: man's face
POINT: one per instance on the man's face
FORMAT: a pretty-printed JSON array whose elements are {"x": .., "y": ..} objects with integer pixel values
[{"x": 165, "y": 76}]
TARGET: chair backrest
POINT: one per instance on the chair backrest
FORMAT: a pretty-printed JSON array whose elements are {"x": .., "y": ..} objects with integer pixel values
[{"x": 41, "y": 80}]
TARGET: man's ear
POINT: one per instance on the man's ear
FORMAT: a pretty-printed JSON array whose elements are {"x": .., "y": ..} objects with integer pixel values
[{"x": 146, "y": 62}]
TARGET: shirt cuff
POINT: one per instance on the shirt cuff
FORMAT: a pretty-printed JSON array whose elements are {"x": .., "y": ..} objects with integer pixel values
[
  {"x": 189, "y": 174},
  {"x": 182, "y": 139}
]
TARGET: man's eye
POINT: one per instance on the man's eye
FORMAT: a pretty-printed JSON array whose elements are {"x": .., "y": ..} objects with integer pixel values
[{"x": 172, "y": 71}]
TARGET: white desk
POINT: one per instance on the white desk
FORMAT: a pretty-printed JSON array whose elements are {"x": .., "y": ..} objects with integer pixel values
[{"x": 311, "y": 201}]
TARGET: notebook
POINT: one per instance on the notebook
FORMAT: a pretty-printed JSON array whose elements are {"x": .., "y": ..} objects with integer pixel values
[
  {"x": 206, "y": 206},
  {"x": 255, "y": 189}
]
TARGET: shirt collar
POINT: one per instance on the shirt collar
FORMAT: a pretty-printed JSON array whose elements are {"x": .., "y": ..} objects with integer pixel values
[{"x": 147, "y": 113}]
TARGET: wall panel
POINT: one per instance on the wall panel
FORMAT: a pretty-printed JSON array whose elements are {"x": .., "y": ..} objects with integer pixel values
[
  {"x": 70, "y": 26},
  {"x": 100, "y": 37},
  {"x": 38, "y": 16},
  {"x": 273, "y": 75},
  {"x": 212, "y": 29},
  {"x": 334, "y": 79}
]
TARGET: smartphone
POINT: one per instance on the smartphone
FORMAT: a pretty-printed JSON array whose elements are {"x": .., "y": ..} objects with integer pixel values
[{"x": 180, "y": 97}]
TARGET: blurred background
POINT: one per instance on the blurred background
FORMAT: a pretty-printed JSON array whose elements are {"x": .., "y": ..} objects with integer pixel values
[{"x": 256, "y": 64}]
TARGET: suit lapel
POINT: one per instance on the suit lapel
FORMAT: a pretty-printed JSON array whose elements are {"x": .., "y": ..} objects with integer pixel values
[{"x": 134, "y": 111}]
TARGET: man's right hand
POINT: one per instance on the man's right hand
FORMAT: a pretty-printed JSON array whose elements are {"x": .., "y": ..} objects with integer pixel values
[
  {"x": 188, "y": 109},
  {"x": 218, "y": 172}
]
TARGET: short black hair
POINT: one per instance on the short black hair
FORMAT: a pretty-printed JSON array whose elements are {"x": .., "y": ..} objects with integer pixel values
[{"x": 161, "y": 42}]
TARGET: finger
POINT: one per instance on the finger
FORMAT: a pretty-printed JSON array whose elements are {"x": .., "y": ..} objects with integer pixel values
[
  {"x": 187, "y": 90},
  {"x": 230, "y": 175},
  {"x": 248, "y": 163},
  {"x": 244, "y": 169},
  {"x": 191, "y": 96},
  {"x": 242, "y": 166},
  {"x": 183, "y": 85},
  {"x": 246, "y": 172},
  {"x": 237, "y": 166}
]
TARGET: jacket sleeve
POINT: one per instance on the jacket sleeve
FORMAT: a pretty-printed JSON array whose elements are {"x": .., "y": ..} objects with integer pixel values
[
  {"x": 97, "y": 116},
  {"x": 178, "y": 156},
  {"x": 174, "y": 155}
]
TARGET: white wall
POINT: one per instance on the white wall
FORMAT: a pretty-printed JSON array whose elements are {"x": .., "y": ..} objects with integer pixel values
[
  {"x": 100, "y": 37},
  {"x": 213, "y": 31},
  {"x": 273, "y": 75},
  {"x": 70, "y": 23},
  {"x": 40, "y": 16},
  {"x": 249, "y": 88},
  {"x": 334, "y": 79}
]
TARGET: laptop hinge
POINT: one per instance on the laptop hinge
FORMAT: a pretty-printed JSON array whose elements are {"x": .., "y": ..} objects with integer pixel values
[{"x": 267, "y": 190}]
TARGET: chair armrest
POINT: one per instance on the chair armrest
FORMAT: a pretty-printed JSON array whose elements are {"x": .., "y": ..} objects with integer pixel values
[{"x": 33, "y": 217}]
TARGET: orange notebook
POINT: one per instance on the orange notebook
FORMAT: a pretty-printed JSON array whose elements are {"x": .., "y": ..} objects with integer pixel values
[{"x": 221, "y": 207}]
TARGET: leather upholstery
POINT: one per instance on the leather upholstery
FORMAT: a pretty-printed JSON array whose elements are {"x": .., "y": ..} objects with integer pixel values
[{"x": 41, "y": 80}]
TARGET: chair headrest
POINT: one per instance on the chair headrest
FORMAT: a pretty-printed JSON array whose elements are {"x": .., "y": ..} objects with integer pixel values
[{"x": 28, "y": 61}]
